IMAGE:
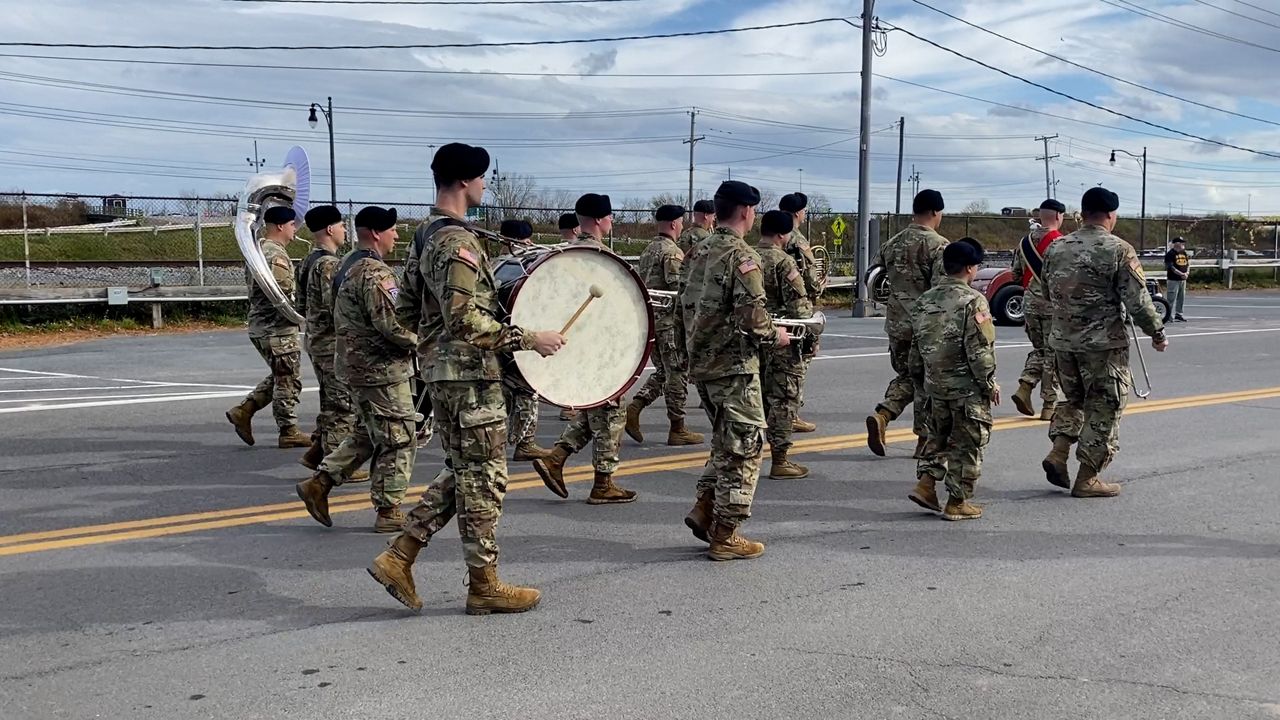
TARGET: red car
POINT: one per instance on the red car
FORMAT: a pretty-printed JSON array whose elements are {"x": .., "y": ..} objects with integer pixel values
[{"x": 1002, "y": 293}]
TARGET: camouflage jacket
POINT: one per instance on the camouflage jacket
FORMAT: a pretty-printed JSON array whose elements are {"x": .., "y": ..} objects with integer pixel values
[
  {"x": 723, "y": 299},
  {"x": 415, "y": 307},
  {"x": 315, "y": 303},
  {"x": 373, "y": 348},
  {"x": 799, "y": 249},
  {"x": 912, "y": 261},
  {"x": 692, "y": 236},
  {"x": 953, "y": 342},
  {"x": 660, "y": 266},
  {"x": 1091, "y": 277},
  {"x": 1037, "y": 303},
  {"x": 460, "y": 297},
  {"x": 264, "y": 319},
  {"x": 784, "y": 287}
]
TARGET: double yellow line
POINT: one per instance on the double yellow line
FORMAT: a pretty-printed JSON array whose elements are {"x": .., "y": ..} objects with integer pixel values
[{"x": 33, "y": 542}]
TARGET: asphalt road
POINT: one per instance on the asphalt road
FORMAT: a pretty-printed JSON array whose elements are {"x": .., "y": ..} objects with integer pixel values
[{"x": 151, "y": 566}]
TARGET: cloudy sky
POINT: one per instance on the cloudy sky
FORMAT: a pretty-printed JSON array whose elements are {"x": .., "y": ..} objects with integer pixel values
[{"x": 610, "y": 117}]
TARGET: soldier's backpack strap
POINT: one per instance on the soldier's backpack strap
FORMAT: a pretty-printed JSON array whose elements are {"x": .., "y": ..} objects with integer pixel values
[
  {"x": 424, "y": 233},
  {"x": 355, "y": 257},
  {"x": 1031, "y": 254},
  {"x": 304, "y": 270}
]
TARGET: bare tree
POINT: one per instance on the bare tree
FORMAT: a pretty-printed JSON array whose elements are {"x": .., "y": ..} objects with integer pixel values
[
  {"x": 513, "y": 191},
  {"x": 189, "y": 202},
  {"x": 976, "y": 207}
]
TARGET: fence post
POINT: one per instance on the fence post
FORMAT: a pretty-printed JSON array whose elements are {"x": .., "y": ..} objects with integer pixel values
[
  {"x": 966, "y": 230},
  {"x": 26, "y": 243},
  {"x": 1275, "y": 252},
  {"x": 200, "y": 242}
]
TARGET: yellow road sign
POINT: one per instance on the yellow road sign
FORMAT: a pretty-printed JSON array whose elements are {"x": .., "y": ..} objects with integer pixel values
[{"x": 838, "y": 226}]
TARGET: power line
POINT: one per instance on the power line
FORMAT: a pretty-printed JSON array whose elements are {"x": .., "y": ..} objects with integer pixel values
[
  {"x": 1160, "y": 17},
  {"x": 1091, "y": 104},
  {"x": 430, "y": 46},
  {"x": 1095, "y": 71},
  {"x": 1255, "y": 7},
  {"x": 1239, "y": 15},
  {"x": 430, "y": 2}
]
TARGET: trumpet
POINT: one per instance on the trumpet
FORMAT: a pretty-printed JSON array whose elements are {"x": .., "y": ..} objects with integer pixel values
[
  {"x": 663, "y": 299},
  {"x": 801, "y": 328}
]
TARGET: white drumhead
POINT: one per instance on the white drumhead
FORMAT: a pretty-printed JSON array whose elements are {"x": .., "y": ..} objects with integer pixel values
[{"x": 605, "y": 348}]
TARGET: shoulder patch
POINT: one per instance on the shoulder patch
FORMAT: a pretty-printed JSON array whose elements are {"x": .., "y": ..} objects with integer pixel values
[
  {"x": 747, "y": 266},
  {"x": 388, "y": 286},
  {"x": 982, "y": 316},
  {"x": 465, "y": 255},
  {"x": 1135, "y": 266}
]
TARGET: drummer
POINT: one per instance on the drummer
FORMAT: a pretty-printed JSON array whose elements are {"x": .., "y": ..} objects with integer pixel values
[
  {"x": 522, "y": 405},
  {"x": 600, "y": 426},
  {"x": 568, "y": 227}
]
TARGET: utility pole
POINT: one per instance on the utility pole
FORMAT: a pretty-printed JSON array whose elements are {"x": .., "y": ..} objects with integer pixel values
[
  {"x": 914, "y": 179},
  {"x": 256, "y": 161},
  {"x": 693, "y": 140},
  {"x": 902, "y": 135},
  {"x": 864, "y": 165},
  {"x": 1048, "y": 184}
]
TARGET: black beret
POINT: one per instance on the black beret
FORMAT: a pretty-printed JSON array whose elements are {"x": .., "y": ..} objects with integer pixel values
[
  {"x": 963, "y": 252},
  {"x": 793, "y": 203},
  {"x": 1179, "y": 240},
  {"x": 927, "y": 201},
  {"x": 279, "y": 215},
  {"x": 516, "y": 229},
  {"x": 593, "y": 206},
  {"x": 777, "y": 222},
  {"x": 738, "y": 193},
  {"x": 322, "y": 216},
  {"x": 1053, "y": 205},
  {"x": 1099, "y": 200},
  {"x": 375, "y": 218},
  {"x": 667, "y": 213},
  {"x": 705, "y": 207},
  {"x": 456, "y": 161},
  {"x": 568, "y": 221}
]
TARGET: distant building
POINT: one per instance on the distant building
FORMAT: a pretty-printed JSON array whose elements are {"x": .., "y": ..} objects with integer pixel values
[
  {"x": 115, "y": 206},
  {"x": 1015, "y": 212}
]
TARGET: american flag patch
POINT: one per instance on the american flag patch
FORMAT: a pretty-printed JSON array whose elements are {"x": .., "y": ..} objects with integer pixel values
[
  {"x": 467, "y": 256},
  {"x": 747, "y": 267},
  {"x": 793, "y": 274},
  {"x": 983, "y": 317},
  {"x": 390, "y": 288}
]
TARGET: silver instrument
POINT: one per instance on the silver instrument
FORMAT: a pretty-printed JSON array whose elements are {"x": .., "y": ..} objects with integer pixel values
[
  {"x": 663, "y": 299},
  {"x": 1142, "y": 362},
  {"x": 878, "y": 284},
  {"x": 822, "y": 262},
  {"x": 262, "y": 192},
  {"x": 802, "y": 327}
]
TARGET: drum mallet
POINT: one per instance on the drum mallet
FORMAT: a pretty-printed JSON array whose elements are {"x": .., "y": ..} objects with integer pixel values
[{"x": 595, "y": 293}]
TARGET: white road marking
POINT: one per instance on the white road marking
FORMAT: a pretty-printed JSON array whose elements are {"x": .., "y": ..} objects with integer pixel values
[
  {"x": 49, "y": 374},
  {"x": 114, "y": 397},
  {"x": 132, "y": 400},
  {"x": 1245, "y": 307},
  {"x": 160, "y": 383}
]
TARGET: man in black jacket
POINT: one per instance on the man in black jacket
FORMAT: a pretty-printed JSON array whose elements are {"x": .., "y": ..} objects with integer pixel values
[{"x": 1176, "y": 268}]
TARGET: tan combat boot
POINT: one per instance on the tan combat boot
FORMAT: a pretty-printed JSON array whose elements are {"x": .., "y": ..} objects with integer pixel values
[
  {"x": 551, "y": 470},
  {"x": 358, "y": 476},
  {"x": 876, "y": 425},
  {"x": 604, "y": 492},
  {"x": 783, "y": 469},
  {"x": 699, "y": 518},
  {"x": 1089, "y": 485},
  {"x": 314, "y": 493},
  {"x": 241, "y": 416},
  {"x": 1055, "y": 463},
  {"x": 921, "y": 442},
  {"x": 1046, "y": 412},
  {"x": 314, "y": 454},
  {"x": 292, "y": 437},
  {"x": 389, "y": 520},
  {"x": 528, "y": 450},
  {"x": 727, "y": 544},
  {"x": 394, "y": 569},
  {"x": 487, "y": 594},
  {"x": 632, "y": 425},
  {"x": 681, "y": 435},
  {"x": 568, "y": 415},
  {"x": 960, "y": 509},
  {"x": 1022, "y": 399},
  {"x": 925, "y": 493},
  {"x": 803, "y": 426}
]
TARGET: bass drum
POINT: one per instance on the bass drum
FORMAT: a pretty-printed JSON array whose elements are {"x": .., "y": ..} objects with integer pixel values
[{"x": 607, "y": 348}]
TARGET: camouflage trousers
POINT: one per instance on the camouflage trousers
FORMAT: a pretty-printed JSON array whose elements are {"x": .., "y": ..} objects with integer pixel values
[
  {"x": 337, "y": 416},
  {"x": 735, "y": 408},
  {"x": 670, "y": 377},
  {"x": 1096, "y": 385},
  {"x": 602, "y": 427},
  {"x": 281, "y": 388},
  {"x": 522, "y": 415},
  {"x": 383, "y": 435},
  {"x": 471, "y": 418},
  {"x": 782, "y": 386},
  {"x": 902, "y": 390},
  {"x": 1040, "y": 368},
  {"x": 958, "y": 430}
]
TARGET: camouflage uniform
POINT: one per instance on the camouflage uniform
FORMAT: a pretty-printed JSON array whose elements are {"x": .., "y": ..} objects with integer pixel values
[
  {"x": 276, "y": 340},
  {"x": 953, "y": 349},
  {"x": 799, "y": 249},
  {"x": 522, "y": 415},
  {"x": 1039, "y": 368},
  {"x": 375, "y": 356},
  {"x": 691, "y": 236},
  {"x": 460, "y": 306},
  {"x": 913, "y": 263},
  {"x": 782, "y": 372},
  {"x": 723, "y": 296},
  {"x": 410, "y": 310},
  {"x": 660, "y": 265},
  {"x": 1092, "y": 277},
  {"x": 315, "y": 302}
]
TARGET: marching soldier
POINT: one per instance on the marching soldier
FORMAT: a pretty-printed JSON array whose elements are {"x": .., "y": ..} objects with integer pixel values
[
  {"x": 1092, "y": 277},
  {"x": 409, "y": 313},
  {"x": 276, "y": 340},
  {"x": 602, "y": 426},
  {"x": 375, "y": 356},
  {"x": 781, "y": 370},
  {"x": 704, "y": 219},
  {"x": 461, "y": 299},
  {"x": 724, "y": 297},
  {"x": 522, "y": 406},
  {"x": 568, "y": 227},
  {"x": 660, "y": 265},
  {"x": 796, "y": 204},
  {"x": 953, "y": 350},
  {"x": 1028, "y": 264},
  {"x": 912, "y": 261}
]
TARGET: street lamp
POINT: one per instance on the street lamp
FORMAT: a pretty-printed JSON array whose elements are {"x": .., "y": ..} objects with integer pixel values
[
  {"x": 1142, "y": 224},
  {"x": 312, "y": 120},
  {"x": 801, "y": 171}
]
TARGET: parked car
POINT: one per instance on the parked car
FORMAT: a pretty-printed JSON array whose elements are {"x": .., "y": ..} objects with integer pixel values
[{"x": 1002, "y": 293}]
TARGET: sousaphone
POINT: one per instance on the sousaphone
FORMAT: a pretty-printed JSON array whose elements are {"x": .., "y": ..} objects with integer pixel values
[{"x": 287, "y": 187}]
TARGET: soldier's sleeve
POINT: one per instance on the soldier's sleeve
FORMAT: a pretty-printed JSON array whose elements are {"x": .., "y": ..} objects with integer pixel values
[
  {"x": 671, "y": 265},
  {"x": 323, "y": 273},
  {"x": 980, "y": 344},
  {"x": 1132, "y": 283},
  {"x": 282, "y": 270},
  {"x": 463, "y": 317},
  {"x": 936, "y": 271},
  {"x": 749, "y": 313},
  {"x": 381, "y": 292},
  {"x": 812, "y": 282},
  {"x": 1019, "y": 264},
  {"x": 915, "y": 360},
  {"x": 795, "y": 293},
  {"x": 409, "y": 301}
]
